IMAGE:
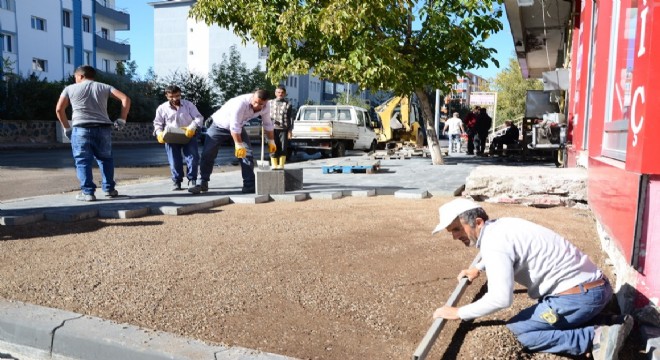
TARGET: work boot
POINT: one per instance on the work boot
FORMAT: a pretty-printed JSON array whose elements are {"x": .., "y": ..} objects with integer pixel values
[
  {"x": 282, "y": 162},
  {"x": 248, "y": 190},
  {"x": 112, "y": 193},
  {"x": 176, "y": 186},
  {"x": 193, "y": 188},
  {"x": 273, "y": 163},
  {"x": 85, "y": 197},
  {"x": 203, "y": 185},
  {"x": 609, "y": 339}
]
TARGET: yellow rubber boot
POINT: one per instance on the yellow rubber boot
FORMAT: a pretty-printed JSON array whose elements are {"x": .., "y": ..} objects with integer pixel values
[
  {"x": 282, "y": 162},
  {"x": 273, "y": 163}
]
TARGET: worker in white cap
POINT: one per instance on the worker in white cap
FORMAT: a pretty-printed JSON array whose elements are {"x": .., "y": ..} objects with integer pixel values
[{"x": 570, "y": 289}]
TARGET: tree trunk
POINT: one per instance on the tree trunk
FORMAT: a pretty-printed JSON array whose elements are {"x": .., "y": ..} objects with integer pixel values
[{"x": 431, "y": 136}]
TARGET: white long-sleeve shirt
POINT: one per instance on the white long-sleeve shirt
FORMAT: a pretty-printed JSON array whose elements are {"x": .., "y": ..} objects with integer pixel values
[
  {"x": 534, "y": 256},
  {"x": 169, "y": 116},
  {"x": 237, "y": 111}
]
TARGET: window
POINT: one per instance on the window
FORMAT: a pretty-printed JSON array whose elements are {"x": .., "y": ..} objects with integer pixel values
[
  {"x": 6, "y": 4},
  {"x": 39, "y": 64},
  {"x": 106, "y": 65},
  {"x": 86, "y": 24},
  {"x": 68, "y": 55},
  {"x": 38, "y": 23},
  {"x": 104, "y": 33},
  {"x": 341, "y": 88},
  {"x": 6, "y": 43},
  {"x": 88, "y": 58},
  {"x": 66, "y": 18},
  {"x": 329, "y": 87}
]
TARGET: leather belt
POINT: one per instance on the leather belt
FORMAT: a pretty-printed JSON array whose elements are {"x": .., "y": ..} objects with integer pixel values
[{"x": 586, "y": 286}]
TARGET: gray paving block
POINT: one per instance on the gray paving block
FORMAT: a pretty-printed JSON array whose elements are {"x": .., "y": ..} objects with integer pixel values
[
  {"x": 363, "y": 193},
  {"x": 249, "y": 199},
  {"x": 269, "y": 182},
  {"x": 386, "y": 191},
  {"x": 293, "y": 179},
  {"x": 442, "y": 193},
  {"x": 71, "y": 215},
  {"x": 20, "y": 220},
  {"x": 124, "y": 214},
  {"x": 326, "y": 195},
  {"x": 411, "y": 194},
  {"x": 94, "y": 338},
  {"x": 30, "y": 325},
  {"x": 183, "y": 209},
  {"x": 294, "y": 197}
]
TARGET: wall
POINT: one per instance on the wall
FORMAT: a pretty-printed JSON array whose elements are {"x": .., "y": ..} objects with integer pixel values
[{"x": 43, "y": 132}]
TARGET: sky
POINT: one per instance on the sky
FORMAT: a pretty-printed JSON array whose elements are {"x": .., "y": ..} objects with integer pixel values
[{"x": 141, "y": 38}]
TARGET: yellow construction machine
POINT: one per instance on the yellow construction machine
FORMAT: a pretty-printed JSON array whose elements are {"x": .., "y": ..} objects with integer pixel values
[{"x": 400, "y": 121}]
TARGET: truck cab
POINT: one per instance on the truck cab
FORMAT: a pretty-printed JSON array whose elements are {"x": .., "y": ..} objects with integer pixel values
[{"x": 333, "y": 129}]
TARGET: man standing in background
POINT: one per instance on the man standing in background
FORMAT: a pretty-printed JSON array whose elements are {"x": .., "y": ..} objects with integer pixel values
[{"x": 280, "y": 114}]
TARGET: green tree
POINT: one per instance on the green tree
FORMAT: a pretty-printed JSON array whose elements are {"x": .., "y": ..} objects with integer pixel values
[
  {"x": 353, "y": 99},
  {"x": 194, "y": 88},
  {"x": 511, "y": 90},
  {"x": 232, "y": 77},
  {"x": 395, "y": 45}
]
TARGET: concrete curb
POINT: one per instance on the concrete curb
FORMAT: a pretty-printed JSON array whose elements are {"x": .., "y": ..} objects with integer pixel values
[{"x": 37, "y": 332}]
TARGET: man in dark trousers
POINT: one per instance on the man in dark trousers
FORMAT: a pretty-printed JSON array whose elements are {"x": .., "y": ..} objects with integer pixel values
[
  {"x": 280, "y": 114},
  {"x": 484, "y": 122},
  {"x": 471, "y": 129},
  {"x": 510, "y": 136}
]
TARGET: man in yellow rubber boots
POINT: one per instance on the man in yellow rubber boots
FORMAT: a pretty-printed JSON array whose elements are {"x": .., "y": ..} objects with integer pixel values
[
  {"x": 179, "y": 113},
  {"x": 280, "y": 114},
  {"x": 228, "y": 128}
]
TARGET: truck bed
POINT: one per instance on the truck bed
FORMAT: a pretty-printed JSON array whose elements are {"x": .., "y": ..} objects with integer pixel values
[{"x": 324, "y": 130}]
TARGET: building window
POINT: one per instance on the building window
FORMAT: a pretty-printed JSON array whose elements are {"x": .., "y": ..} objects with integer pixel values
[
  {"x": 38, "y": 23},
  {"x": 106, "y": 65},
  {"x": 104, "y": 33},
  {"x": 6, "y": 4},
  {"x": 6, "y": 43},
  {"x": 86, "y": 24},
  {"x": 88, "y": 58},
  {"x": 66, "y": 18},
  {"x": 68, "y": 55},
  {"x": 329, "y": 87},
  {"x": 39, "y": 64}
]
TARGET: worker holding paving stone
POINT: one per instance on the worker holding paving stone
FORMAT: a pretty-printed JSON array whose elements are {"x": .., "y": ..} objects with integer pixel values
[
  {"x": 175, "y": 125},
  {"x": 571, "y": 291}
]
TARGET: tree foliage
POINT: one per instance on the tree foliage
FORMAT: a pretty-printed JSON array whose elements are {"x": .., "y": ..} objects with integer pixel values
[
  {"x": 395, "y": 45},
  {"x": 353, "y": 100},
  {"x": 511, "y": 90},
  {"x": 232, "y": 77}
]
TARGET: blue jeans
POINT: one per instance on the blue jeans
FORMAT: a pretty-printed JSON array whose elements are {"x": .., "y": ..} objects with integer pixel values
[
  {"x": 454, "y": 143},
  {"x": 572, "y": 333},
  {"x": 215, "y": 137},
  {"x": 190, "y": 153},
  {"x": 88, "y": 144}
]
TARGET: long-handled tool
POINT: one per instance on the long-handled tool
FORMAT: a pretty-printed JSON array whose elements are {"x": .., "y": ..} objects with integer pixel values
[
  {"x": 262, "y": 164},
  {"x": 434, "y": 331}
]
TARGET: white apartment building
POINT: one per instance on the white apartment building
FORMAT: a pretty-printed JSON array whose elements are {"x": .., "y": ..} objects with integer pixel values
[
  {"x": 181, "y": 43},
  {"x": 51, "y": 38}
]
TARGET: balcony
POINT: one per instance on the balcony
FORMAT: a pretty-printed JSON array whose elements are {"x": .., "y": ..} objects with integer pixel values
[
  {"x": 120, "y": 20},
  {"x": 123, "y": 51}
]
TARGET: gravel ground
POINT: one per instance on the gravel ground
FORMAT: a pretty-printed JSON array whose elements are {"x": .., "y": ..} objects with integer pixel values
[{"x": 344, "y": 279}]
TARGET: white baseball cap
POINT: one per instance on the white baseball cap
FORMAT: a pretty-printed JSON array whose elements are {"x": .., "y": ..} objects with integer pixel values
[{"x": 450, "y": 211}]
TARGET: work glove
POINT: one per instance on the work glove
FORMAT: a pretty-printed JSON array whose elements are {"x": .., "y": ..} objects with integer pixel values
[
  {"x": 159, "y": 137},
  {"x": 271, "y": 146},
  {"x": 68, "y": 132},
  {"x": 240, "y": 151},
  {"x": 119, "y": 124},
  {"x": 190, "y": 130}
]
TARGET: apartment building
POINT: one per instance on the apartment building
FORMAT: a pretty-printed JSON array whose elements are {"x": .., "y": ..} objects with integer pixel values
[{"x": 51, "y": 38}]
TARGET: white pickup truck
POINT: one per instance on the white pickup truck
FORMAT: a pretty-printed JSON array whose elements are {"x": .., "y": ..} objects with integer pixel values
[{"x": 332, "y": 130}]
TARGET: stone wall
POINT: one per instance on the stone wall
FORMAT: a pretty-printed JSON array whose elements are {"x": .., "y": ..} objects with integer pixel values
[{"x": 46, "y": 131}]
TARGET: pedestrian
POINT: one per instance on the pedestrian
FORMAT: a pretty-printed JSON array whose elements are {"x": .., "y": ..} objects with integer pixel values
[
  {"x": 455, "y": 127},
  {"x": 484, "y": 122},
  {"x": 471, "y": 128},
  {"x": 91, "y": 129},
  {"x": 280, "y": 114},
  {"x": 570, "y": 289},
  {"x": 227, "y": 128},
  {"x": 179, "y": 113}
]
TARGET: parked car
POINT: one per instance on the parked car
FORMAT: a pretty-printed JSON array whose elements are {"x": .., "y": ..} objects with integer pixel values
[{"x": 253, "y": 128}]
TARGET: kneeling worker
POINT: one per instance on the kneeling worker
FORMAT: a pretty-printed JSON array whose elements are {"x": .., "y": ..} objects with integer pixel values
[
  {"x": 228, "y": 128},
  {"x": 570, "y": 289},
  {"x": 176, "y": 112}
]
